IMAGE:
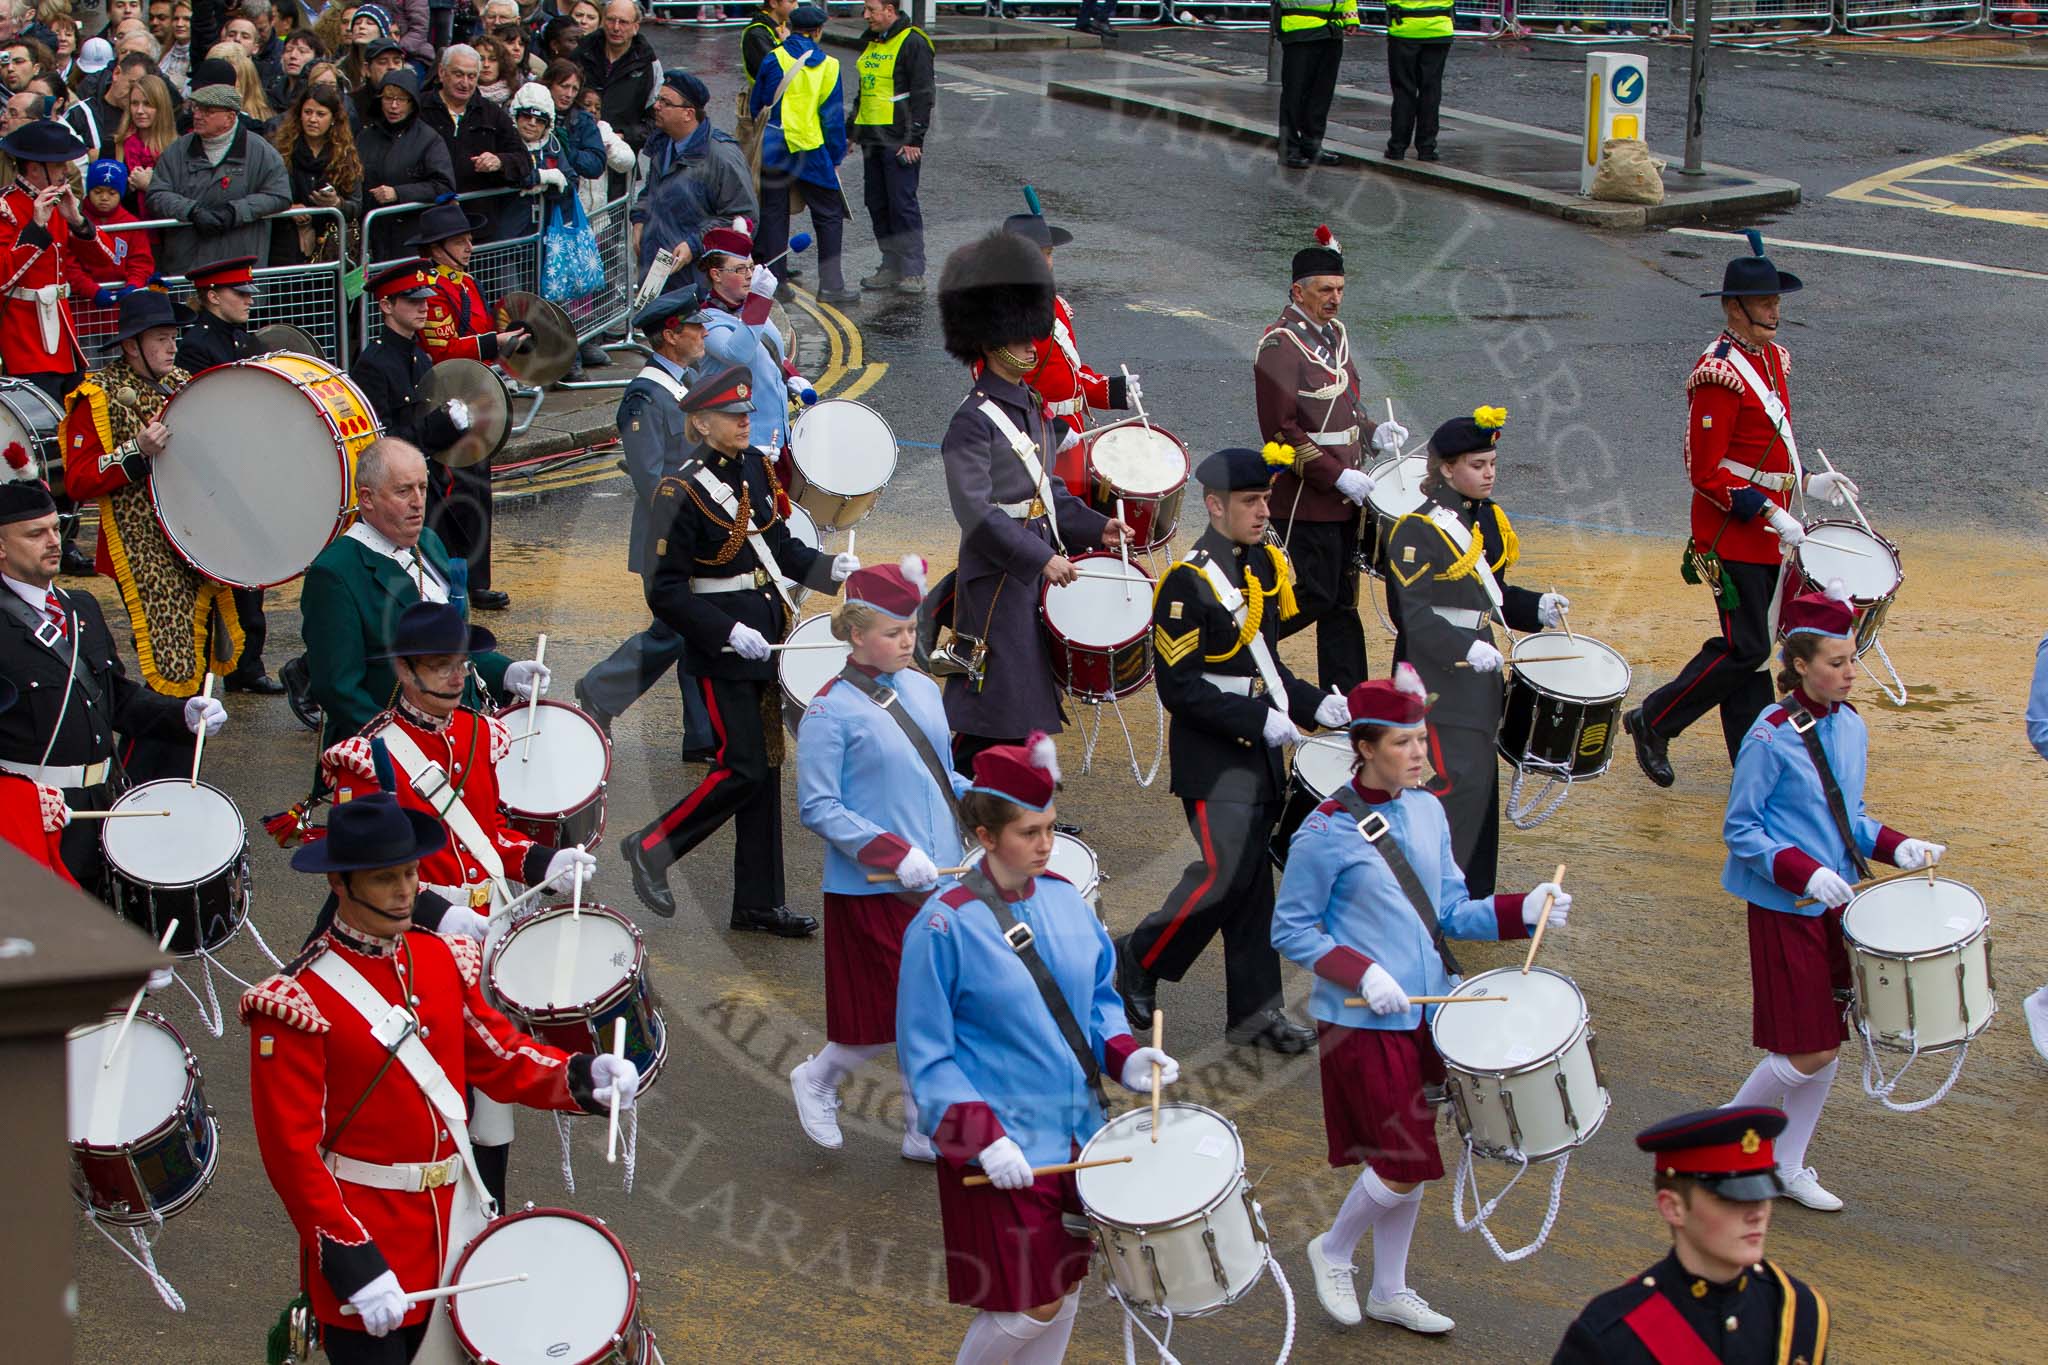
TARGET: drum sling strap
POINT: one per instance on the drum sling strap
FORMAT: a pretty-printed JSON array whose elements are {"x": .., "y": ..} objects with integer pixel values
[
  {"x": 445, "y": 797},
  {"x": 1018, "y": 935},
  {"x": 1379, "y": 834},
  {"x": 1804, "y": 725},
  {"x": 1027, "y": 454},
  {"x": 714, "y": 488},
  {"x": 888, "y": 699}
]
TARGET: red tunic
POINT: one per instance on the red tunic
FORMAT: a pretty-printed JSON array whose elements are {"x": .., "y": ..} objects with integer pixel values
[
  {"x": 312, "y": 1056},
  {"x": 468, "y": 748},
  {"x": 33, "y": 257},
  {"x": 1069, "y": 389},
  {"x": 32, "y": 819},
  {"x": 458, "y": 325},
  {"x": 1726, "y": 421}
]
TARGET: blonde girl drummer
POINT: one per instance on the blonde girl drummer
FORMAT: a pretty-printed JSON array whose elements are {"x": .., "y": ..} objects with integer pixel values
[
  {"x": 1343, "y": 914},
  {"x": 866, "y": 788}
]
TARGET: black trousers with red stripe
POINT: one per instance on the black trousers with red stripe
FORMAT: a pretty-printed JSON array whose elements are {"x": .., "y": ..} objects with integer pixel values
[
  {"x": 1229, "y": 887},
  {"x": 741, "y": 786},
  {"x": 1727, "y": 671}
]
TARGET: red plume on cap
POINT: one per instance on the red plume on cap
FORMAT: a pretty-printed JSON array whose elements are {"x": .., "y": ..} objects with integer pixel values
[
  {"x": 1325, "y": 237},
  {"x": 20, "y": 464}
]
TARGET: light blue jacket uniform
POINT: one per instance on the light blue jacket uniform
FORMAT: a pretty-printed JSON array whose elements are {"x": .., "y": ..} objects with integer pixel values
[
  {"x": 859, "y": 781},
  {"x": 973, "y": 1032},
  {"x": 1340, "y": 908},
  {"x": 1776, "y": 806},
  {"x": 2037, "y": 702},
  {"x": 760, "y": 348}
]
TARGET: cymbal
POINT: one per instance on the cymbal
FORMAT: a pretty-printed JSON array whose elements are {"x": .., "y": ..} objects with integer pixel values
[
  {"x": 282, "y": 336},
  {"x": 549, "y": 352},
  {"x": 490, "y": 409}
]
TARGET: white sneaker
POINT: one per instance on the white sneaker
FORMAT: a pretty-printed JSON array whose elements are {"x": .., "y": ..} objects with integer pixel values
[
  {"x": 817, "y": 1109},
  {"x": 918, "y": 1147},
  {"x": 1335, "y": 1287},
  {"x": 1804, "y": 1187},
  {"x": 1408, "y": 1309},
  {"x": 2035, "y": 1008}
]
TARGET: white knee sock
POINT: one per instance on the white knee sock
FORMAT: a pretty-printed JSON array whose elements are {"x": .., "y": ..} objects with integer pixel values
[
  {"x": 1364, "y": 1207},
  {"x": 1763, "y": 1085},
  {"x": 836, "y": 1061},
  {"x": 1390, "y": 1237},
  {"x": 1051, "y": 1346},
  {"x": 1804, "y": 1096},
  {"x": 993, "y": 1338}
]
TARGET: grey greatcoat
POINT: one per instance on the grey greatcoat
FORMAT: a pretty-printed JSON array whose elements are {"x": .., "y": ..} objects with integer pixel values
[
  {"x": 655, "y": 444},
  {"x": 1001, "y": 558}
]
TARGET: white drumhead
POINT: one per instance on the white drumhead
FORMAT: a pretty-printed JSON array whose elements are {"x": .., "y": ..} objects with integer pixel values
[
  {"x": 1139, "y": 462},
  {"x": 253, "y": 481},
  {"x": 1075, "y": 861},
  {"x": 843, "y": 446},
  {"x": 574, "y": 1298},
  {"x": 1323, "y": 764},
  {"x": 529, "y": 960},
  {"x": 1197, "y": 1158},
  {"x": 804, "y": 671},
  {"x": 560, "y": 768},
  {"x": 1397, "y": 485},
  {"x": 1101, "y": 610},
  {"x": 802, "y": 528},
  {"x": 27, "y": 416},
  {"x": 202, "y": 835},
  {"x": 1866, "y": 566},
  {"x": 1541, "y": 1013},
  {"x": 151, "y": 1081},
  {"x": 1907, "y": 916},
  {"x": 1575, "y": 666}
]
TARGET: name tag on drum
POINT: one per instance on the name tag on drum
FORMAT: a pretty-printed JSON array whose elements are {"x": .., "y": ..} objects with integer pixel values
[
  {"x": 1518, "y": 1056},
  {"x": 1212, "y": 1147},
  {"x": 1959, "y": 922}
]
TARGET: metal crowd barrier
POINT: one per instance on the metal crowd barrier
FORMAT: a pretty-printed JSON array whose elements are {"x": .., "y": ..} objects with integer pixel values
[
  {"x": 1938, "y": 16},
  {"x": 2006, "y": 14},
  {"x": 691, "y": 14},
  {"x": 1243, "y": 14},
  {"x": 499, "y": 267},
  {"x": 1604, "y": 12},
  {"x": 607, "y": 309},
  {"x": 1128, "y": 13},
  {"x": 1473, "y": 18},
  {"x": 1761, "y": 21}
]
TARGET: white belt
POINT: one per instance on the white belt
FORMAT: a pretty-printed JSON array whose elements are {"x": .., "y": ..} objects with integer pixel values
[
  {"x": 46, "y": 299},
  {"x": 1464, "y": 618},
  {"x": 1022, "y": 511},
  {"x": 742, "y": 582},
  {"x": 1762, "y": 478},
  {"x": 415, "y": 1177},
  {"x": 1345, "y": 437},
  {"x": 60, "y": 775},
  {"x": 1068, "y": 407},
  {"x": 1236, "y": 684},
  {"x": 475, "y": 897}
]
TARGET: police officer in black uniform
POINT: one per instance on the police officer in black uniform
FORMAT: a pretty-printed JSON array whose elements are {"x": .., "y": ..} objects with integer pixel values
[
  {"x": 712, "y": 588},
  {"x": 1714, "y": 1297},
  {"x": 76, "y": 698},
  {"x": 392, "y": 369},
  {"x": 1235, "y": 708}
]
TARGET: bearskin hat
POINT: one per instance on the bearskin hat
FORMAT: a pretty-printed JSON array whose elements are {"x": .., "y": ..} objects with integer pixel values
[{"x": 994, "y": 292}]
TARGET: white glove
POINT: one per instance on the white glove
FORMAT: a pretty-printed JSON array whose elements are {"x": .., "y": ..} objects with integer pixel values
[
  {"x": 1532, "y": 905},
  {"x": 1279, "y": 730},
  {"x": 608, "y": 1073},
  {"x": 160, "y": 979},
  {"x": 1383, "y": 994},
  {"x": 1138, "y": 1070},
  {"x": 1790, "y": 533},
  {"x": 1551, "y": 607},
  {"x": 1332, "y": 712},
  {"x": 1355, "y": 484},
  {"x": 1483, "y": 657},
  {"x": 381, "y": 1303},
  {"x": 1836, "y": 488},
  {"x": 747, "y": 642},
  {"x": 1914, "y": 854},
  {"x": 458, "y": 413},
  {"x": 1389, "y": 437},
  {"x": 1002, "y": 1161},
  {"x": 1134, "y": 397},
  {"x": 562, "y": 867},
  {"x": 843, "y": 565},
  {"x": 206, "y": 711},
  {"x": 524, "y": 674},
  {"x": 1827, "y": 887},
  {"x": 1068, "y": 441},
  {"x": 917, "y": 871},
  {"x": 460, "y": 919},
  {"x": 763, "y": 283},
  {"x": 553, "y": 179},
  {"x": 802, "y": 390}
]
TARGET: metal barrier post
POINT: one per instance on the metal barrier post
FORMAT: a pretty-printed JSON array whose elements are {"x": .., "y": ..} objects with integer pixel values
[
  {"x": 2017, "y": 16},
  {"x": 1761, "y": 22},
  {"x": 1935, "y": 18}
]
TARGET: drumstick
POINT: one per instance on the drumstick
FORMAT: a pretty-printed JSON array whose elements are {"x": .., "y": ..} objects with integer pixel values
[
  {"x": 1931, "y": 861},
  {"x": 1854, "y": 506},
  {"x": 1542, "y": 922},
  {"x": 849, "y": 540},
  {"x": 1158, "y": 1032},
  {"x": 1360, "y": 1002},
  {"x": 540, "y": 656},
  {"x": 1845, "y": 549},
  {"x": 611, "y": 1140},
  {"x": 943, "y": 872},
  {"x": 1563, "y": 619},
  {"x": 802, "y": 644},
  {"x": 1061, "y": 1169},
  {"x": 110, "y": 814},
  {"x": 444, "y": 1291},
  {"x": 1139, "y": 405},
  {"x": 135, "y": 1002},
  {"x": 576, "y": 896},
  {"x": 1123, "y": 549},
  {"x": 1531, "y": 659},
  {"x": 199, "y": 740}
]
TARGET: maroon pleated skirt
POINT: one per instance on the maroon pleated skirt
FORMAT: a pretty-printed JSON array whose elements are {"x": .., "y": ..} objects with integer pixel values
[
  {"x": 863, "y": 953},
  {"x": 1796, "y": 965},
  {"x": 1009, "y": 1250},
  {"x": 1373, "y": 1109}
]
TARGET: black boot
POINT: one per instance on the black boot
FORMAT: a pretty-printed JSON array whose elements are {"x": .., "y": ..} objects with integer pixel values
[
  {"x": 1273, "y": 1030},
  {"x": 1139, "y": 988},
  {"x": 650, "y": 883},
  {"x": 1651, "y": 748},
  {"x": 778, "y": 920},
  {"x": 492, "y": 1163}
]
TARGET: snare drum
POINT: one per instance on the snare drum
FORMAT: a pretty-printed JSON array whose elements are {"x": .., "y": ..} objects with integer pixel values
[
  {"x": 843, "y": 454},
  {"x": 1098, "y": 629},
  {"x": 29, "y": 418},
  {"x": 1523, "y": 1076},
  {"x": 259, "y": 474},
  {"x": 1321, "y": 766},
  {"x": 1562, "y": 714},
  {"x": 1868, "y": 565},
  {"x": 803, "y": 531},
  {"x": 804, "y": 672},
  {"x": 552, "y": 787},
  {"x": 1074, "y": 861},
  {"x": 579, "y": 1305},
  {"x": 564, "y": 977},
  {"x": 143, "y": 1140},
  {"x": 1922, "y": 959},
  {"x": 1396, "y": 491},
  {"x": 1179, "y": 1229},
  {"x": 1146, "y": 467},
  {"x": 191, "y": 866}
]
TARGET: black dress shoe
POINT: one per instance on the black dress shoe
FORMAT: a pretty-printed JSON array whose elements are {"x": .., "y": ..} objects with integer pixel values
[
  {"x": 1396, "y": 153},
  {"x": 1328, "y": 159},
  {"x": 650, "y": 883},
  {"x": 1651, "y": 755},
  {"x": 601, "y": 717},
  {"x": 1139, "y": 989},
  {"x": 77, "y": 563},
  {"x": 489, "y": 599},
  {"x": 1066, "y": 827},
  {"x": 1427, "y": 154},
  {"x": 1295, "y": 163},
  {"x": 778, "y": 920},
  {"x": 1272, "y": 1030},
  {"x": 262, "y": 684}
]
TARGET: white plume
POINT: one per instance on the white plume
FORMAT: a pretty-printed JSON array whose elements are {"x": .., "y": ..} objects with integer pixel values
[
  {"x": 1407, "y": 680},
  {"x": 1044, "y": 756},
  {"x": 913, "y": 567}
]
